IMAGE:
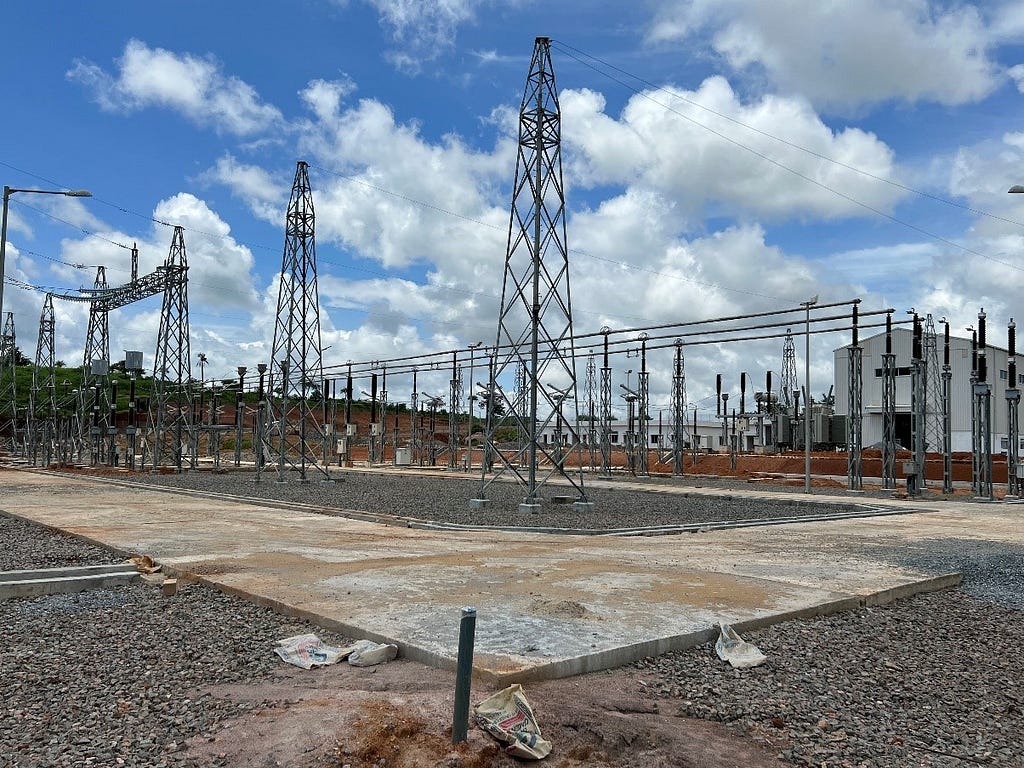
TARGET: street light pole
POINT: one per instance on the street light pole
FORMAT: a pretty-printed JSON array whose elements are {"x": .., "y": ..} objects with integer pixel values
[
  {"x": 807, "y": 392},
  {"x": 8, "y": 191}
]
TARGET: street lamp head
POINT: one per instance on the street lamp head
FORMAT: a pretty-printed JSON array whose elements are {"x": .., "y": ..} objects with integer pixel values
[
  {"x": 78, "y": 193},
  {"x": 1016, "y": 189}
]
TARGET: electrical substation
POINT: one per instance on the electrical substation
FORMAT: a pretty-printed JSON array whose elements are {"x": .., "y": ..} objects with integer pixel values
[{"x": 540, "y": 431}]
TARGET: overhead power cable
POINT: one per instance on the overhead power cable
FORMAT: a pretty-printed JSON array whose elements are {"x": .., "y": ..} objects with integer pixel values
[
  {"x": 800, "y": 174},
  {"x": 569, "y": 50}
]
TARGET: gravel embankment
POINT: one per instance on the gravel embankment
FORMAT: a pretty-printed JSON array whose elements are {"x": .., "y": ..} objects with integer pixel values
[
  {"x": 446, "y": 499},
  {"x": 116, "y": 676}
]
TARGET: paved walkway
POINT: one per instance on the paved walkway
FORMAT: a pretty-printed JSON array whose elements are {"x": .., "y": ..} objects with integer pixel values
[{"x": 549, "y": 605}]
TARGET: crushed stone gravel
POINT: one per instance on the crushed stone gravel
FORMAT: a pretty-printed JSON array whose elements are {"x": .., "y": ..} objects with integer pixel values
[{"x": 118, "y": 676}]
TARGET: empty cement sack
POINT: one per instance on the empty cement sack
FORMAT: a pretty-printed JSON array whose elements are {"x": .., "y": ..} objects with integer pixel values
[
  {"x": 367, "y": 653},
  {"x": 308, "y": 651},
  {"x": 507, "y": 716},
  {"x": 737, "y": 651}
]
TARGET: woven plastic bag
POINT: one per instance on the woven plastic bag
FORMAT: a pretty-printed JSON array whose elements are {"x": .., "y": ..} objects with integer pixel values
[{"x": 508, "y": 717}]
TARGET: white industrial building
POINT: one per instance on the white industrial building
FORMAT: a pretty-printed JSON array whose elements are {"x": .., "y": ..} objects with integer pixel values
[{"x": 960, "y": 389}]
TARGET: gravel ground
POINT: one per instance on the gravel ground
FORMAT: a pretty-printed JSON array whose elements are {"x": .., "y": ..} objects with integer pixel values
[
  {"x": 115, "y": 676},
  {"x": 932, "y": 680},
  {"x": 446, "y": 499}
]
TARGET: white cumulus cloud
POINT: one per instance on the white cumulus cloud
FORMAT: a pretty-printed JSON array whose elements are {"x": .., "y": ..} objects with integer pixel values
[{"x": 192, "y": 85}]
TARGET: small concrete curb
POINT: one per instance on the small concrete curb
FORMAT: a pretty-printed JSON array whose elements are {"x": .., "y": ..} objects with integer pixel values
[{"x": 51, "y": 581}]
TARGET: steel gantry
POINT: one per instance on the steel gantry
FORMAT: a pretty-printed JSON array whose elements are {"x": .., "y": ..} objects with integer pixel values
[
  {"x": 297, "y": 352},
  {"x": 535, "y": 327}
]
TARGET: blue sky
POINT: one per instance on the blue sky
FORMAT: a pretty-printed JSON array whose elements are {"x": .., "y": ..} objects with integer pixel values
[{"x": 195, "y": 113}]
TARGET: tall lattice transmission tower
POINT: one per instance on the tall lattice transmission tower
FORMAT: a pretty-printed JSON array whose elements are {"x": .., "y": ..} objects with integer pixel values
[
  {"x": 43, "y": 398},
  {"x": 92, "y": 397},
  {"x": 933, "y": 387},
  {"x": 535, "y": 321},
  {"x": 170, "y": 409},
  {"x": 790, "y": 384},
  {"x": 298, "y": 355},
  {"x": 8, "y": 382}
]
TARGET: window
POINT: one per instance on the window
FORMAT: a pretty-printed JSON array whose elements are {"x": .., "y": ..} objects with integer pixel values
[
  {"x": 655, "y": 439},
  {"x": 1002, "y": 375},
  {"x": 1004, "y": 443},
  {"x": 614, "y": 437}
]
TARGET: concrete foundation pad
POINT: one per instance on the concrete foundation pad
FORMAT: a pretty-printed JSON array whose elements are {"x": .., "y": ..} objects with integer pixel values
[{"x": 548, "y": 605}]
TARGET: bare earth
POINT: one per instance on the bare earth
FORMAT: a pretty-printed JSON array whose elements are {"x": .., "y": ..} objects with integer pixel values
[{"x": 399, "y": 715}]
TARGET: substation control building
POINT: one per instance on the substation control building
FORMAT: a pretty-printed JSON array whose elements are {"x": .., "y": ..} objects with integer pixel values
[{"x": 960, "y": 391}]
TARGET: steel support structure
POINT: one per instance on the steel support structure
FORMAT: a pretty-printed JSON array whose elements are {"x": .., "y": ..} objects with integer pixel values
[
  {"x": 1012, "y": 414},
  {"x": 678, "y": 410},
  {"x": 643, "y": 393},
  {"x": 982, "y": 393},
  {"x": 606, "y": 411},
  {"x": 454, "y": 400},
  {"x": 888, "y": 410},
  {"x": 43, "y": 400},
  {"x": 171, "y": 404},
  {"x": 947, "y": 418},
  {"x": 591, "y": 397},
  {"x": 855, "y": 421},
  {"x": 790, "y": 385},
  {"x": 297, "y": 350},
  {"x": 918, "y": 404},
  {"x": 535, "y": 328},
  {"x": 9, "y": 424},
  {"x": 933, "y": 387},
  {"x": 95, "y": 368}
]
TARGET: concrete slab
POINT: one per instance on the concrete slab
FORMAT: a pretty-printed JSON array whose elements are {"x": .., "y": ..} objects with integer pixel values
[{"x": 548, "y": 605}]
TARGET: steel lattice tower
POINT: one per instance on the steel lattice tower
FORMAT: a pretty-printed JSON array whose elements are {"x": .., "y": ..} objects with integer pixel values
[
  {"x": 535, "y": 321},
  {"x": 43, "y": 399},
  {"x": 93, "y": 398},
  {"x": 591, "y": 397},
  {"x": 171, "y": 407},
  {"x": 678, "y": 410},
  {"x": 297, "y": 351},
  {"x": 8, "y": 381},
  {"x": 790, "y": 385}
]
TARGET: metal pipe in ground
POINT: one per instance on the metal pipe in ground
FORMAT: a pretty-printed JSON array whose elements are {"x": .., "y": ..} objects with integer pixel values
[{"x": 463, "y": 675}]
